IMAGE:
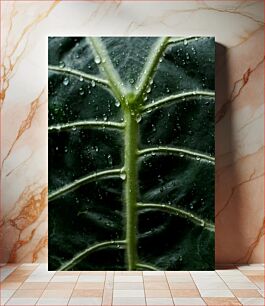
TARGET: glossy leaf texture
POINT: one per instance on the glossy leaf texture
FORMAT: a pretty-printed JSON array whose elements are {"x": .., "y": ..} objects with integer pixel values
[{"x": 95, "y": 211}]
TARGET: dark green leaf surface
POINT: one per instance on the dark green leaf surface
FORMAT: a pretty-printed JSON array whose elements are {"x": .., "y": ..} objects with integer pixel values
[{"x": 94, "y": 213}]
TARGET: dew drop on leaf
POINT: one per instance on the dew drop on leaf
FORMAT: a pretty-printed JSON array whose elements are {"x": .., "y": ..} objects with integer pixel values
[
  {"x": 138, "y": 118},
  {"x": 117, "y": 103},
  {"x": 65, "y": 81},
  {"x": 81, "y": 91},
  {"x": 61, "y": 64},
  {"x": 109, "y": 160},
  {"x": 185, "y": 42},
  {"x": 81, "y": 79},
  {"x": 96, "y": 148},
  {"x": 93, "y": 83},
  {"x": 123, "y": 174},
  {"x": 97, "y": 60}
]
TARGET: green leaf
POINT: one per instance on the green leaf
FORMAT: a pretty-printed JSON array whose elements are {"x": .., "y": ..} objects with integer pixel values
[{"x": 131, "y": 153}]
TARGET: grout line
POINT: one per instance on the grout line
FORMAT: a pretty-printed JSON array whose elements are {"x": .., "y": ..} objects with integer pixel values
[
  {"x": 169, "y": 288},
  {"x": 102, "y": 297},
  {"x": 145, "y": 298},
  {"x": 112, "y": 291}
]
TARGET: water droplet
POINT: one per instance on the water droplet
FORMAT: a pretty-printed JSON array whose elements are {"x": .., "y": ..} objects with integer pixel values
[
  {"x": 93, "y": 83},
  {"x": 160, "y": 60},
  {"x": 117, "y": 103},
  {"x": 97, "y": 60},
  {"x": 105, "y": 118},
  {"x": 181, "y": 155},
  {"x": 145, "y": 98},
  {"x": 185, "y": 42},
  {"x": 153, "y": 154},
  {"x": 148, "y": 89},
  {"x": 56, "y": 148},
  {"x": 81, "y": 79},
  {"x": 81, "y": 91},
  {"x": 138, "y": 118},
  {"x": 96, "y": 148},
  {"x": 123, "y": 174},
  {"x": 61, "y": 64},
  {"x": 197, "y": 158},
  {"x": 109, "y": 160},
  {"x": 131, "y": 81},
  {"x": 167, "y": 89},
  {"x": 74, "y": 128},
  {"x": 66, "y": 81}
]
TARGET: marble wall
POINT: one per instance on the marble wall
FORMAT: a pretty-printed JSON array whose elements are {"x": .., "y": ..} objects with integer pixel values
[{"x": 238, "y": 27}]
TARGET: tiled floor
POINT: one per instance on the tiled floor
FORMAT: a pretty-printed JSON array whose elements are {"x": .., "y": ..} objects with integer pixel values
[{"x": 33, "y": 284}]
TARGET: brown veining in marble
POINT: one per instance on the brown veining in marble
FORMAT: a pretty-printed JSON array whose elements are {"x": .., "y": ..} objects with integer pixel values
[
  {"x": 26, "y": 123},
  {"x": 33, "y": 205},
  {"x": 237, "y": 88},
  {"x": 247, "y": 256},
  {"x": 43, "y": 243},
  {"x": 8, "y": 62},
  {"x": 235, "y": 188}
]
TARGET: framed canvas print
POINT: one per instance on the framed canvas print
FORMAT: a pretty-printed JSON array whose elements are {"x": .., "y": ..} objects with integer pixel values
[{"x": 131, "y": 153}]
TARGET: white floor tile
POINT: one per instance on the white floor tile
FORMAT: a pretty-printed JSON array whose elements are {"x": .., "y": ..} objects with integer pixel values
[
  {"x": 128, "y": 286},
  {"x": 211, "y": 285},
  {"x": 241, "y": 285},
  {"x": 85, "y": 301},
  {"x": 64, "y": 279},
  {"x": 5, "y": 293},
  {"x": 91, "y": 278},
  {"x": 153, "y": 273},
  {"x": 128, "y": 293},
  {"x": 128, "y": 279},
  {"x": 38, "y": 279},
  {"x": 235, "y": 279},
  {"x": 252, "y": 301},
  {"x": 159, "y": 301},
  {"x": 232, "y": 272},
  {"x": 3, "y": 300},
  {"x": 188, "y": 301},
  {"x": 123, "y": 301},
  {"x": 216, "y": 293},
  {"x": 262, "y": 292},
  {"x": 203, "y": 273},
  {"x": 53, "y": 301},
  {"x": 251, "y": 267},
  {"x": 260, "y": 285},
  {"x": 22, "y": 301},
  {"x": 6, "y": 271}
]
